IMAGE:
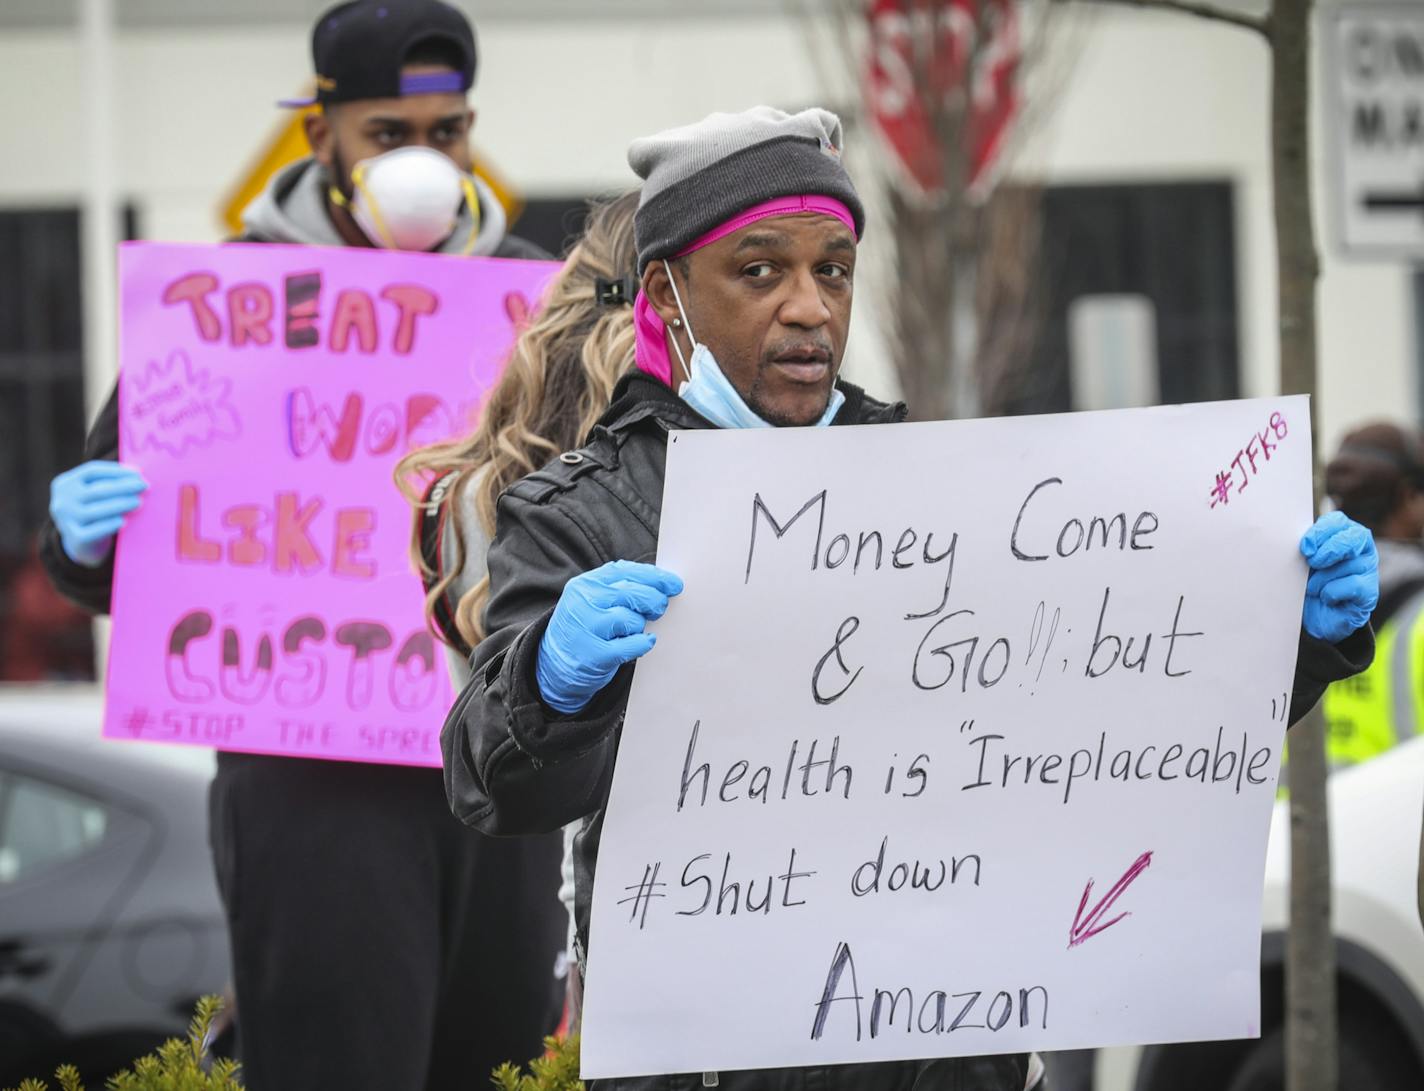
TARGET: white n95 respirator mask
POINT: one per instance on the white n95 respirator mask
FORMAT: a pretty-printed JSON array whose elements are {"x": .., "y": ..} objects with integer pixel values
[{"x": 410, "y": 199}]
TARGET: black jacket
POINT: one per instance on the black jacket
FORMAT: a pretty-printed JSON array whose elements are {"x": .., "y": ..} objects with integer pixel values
[
  {"x": 513, "y": 766},
  {"x": 90, "y": 588}
]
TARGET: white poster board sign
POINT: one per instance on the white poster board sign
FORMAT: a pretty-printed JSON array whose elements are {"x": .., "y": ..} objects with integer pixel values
[{"x": 962, "y": 739}]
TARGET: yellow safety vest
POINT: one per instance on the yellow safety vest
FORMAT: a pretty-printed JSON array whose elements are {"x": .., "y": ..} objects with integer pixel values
[{"x": 1370, "y": 712}]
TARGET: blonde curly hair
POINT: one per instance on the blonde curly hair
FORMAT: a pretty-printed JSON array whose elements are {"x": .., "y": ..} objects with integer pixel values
[{"x": 557, "y": 383}]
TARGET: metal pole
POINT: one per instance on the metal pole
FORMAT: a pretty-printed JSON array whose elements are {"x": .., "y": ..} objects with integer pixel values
[
  {"x": 1311, "y": 1021},
  {"x": 99, "y": 235}
]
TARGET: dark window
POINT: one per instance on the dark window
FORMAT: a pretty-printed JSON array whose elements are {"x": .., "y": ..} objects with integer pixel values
[
  {"x": 1155, "y": 266},
  {"x": 1419, "y": 341},
  {"x": 41, "y": 433}
]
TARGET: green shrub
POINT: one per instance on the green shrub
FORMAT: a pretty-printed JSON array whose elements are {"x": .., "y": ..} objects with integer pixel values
[
  {"x": 557, "y": 1070},
  {"x": 177, "y": 1066}
]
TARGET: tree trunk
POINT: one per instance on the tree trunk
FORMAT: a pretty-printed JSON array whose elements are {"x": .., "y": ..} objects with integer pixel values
[
  {"x": 1311, "y": 1057},
  {"x": 923, "y": 305}
]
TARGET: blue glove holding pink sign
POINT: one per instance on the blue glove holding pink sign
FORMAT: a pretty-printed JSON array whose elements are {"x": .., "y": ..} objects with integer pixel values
[{"x": 89, "y": 505}]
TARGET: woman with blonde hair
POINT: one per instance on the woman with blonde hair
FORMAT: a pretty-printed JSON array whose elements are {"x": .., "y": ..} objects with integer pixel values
[{"x": 557, "y": 383}]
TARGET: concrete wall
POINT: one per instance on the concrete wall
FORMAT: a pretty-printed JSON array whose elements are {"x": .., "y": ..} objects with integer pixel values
[{"x": 1145, "y": 97}]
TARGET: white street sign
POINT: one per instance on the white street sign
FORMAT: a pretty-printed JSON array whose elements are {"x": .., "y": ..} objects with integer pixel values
[{"x": 1375, "y": 126}]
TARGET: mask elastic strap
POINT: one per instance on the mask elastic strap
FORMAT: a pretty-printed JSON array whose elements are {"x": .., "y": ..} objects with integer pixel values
[
  {"x": 472, "y": 198},
  {"x": 686, "y": 324},
  {"x": 358, "y": 181}
]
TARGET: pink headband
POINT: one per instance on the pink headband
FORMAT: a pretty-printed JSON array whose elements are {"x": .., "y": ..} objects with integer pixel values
[{"x": 649, "y": 330}]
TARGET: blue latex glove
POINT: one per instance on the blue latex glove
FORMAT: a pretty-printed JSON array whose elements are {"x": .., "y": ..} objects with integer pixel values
[
  {"x": 1344, "y": 577},
  {"x": 597, "y": 627},
  {"x": 89, "y": 504}
]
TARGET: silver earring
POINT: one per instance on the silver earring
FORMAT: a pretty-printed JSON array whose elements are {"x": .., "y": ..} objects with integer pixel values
[{"x": 677, "y": 323}]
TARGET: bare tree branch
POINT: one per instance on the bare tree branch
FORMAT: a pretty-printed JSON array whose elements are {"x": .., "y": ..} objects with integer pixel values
[
  {"x": 1260, "y": 25},
  {"x": 960, "y": 315}
]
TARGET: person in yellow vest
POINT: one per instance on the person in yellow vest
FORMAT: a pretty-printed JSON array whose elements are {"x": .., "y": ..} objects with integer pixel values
[{"x": 1377, "y": 478}]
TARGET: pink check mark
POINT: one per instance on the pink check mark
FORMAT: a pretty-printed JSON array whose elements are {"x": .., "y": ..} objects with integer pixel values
[{"x": 1086, "y": 927}]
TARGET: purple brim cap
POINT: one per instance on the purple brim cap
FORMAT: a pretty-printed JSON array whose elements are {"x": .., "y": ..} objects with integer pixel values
[
  {"x": 423, "y": 83},
  {"x": 433, "y": 83}
]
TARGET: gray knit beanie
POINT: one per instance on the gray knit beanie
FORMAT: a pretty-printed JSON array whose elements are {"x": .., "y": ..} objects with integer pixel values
[{"x": 697, "y": 177}]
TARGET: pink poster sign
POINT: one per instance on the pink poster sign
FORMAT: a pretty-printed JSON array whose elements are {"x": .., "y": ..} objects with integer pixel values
[{"x": 263, "y": 596}]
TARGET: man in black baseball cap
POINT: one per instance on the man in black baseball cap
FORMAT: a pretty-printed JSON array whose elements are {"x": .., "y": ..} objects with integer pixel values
[
  {"x": 360, "y": 49},
  {"x": 377, "y": 943},
  {"x": 390, "y": 163}
]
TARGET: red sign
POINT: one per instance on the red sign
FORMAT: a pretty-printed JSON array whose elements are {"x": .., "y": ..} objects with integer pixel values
[{"x": 966, "y": 48}]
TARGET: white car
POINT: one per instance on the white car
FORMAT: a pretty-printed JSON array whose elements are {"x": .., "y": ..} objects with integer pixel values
[{"x": 1375, "y": 815}]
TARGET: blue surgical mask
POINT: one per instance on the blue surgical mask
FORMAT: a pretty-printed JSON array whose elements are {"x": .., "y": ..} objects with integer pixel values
[{"x": 709, "y": 392}]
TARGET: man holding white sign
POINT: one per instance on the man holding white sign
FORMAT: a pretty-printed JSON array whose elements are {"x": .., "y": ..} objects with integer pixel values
[{"x": 758, "y": 720}]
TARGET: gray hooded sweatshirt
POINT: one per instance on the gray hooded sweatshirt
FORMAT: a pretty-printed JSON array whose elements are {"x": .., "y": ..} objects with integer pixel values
[{"x": 292, "y": 209}]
